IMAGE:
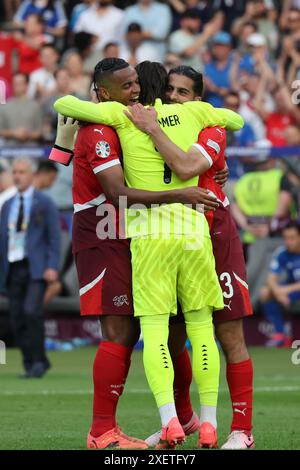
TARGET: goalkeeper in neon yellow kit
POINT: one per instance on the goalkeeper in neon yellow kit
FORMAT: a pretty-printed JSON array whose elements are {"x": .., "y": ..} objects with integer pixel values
[{"x": 171, "y": 248}]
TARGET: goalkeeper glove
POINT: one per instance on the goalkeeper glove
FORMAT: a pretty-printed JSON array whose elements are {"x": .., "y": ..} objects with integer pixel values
[{"x": 62, "y": 151}]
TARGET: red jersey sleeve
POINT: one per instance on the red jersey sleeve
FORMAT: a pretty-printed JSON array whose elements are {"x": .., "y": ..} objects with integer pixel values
[
  {"x": 103, "y": 147},
  {"x": 212, "y": 143}
]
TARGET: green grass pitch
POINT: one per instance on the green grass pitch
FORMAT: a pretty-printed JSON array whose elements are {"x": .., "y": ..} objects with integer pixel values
[{"x": 55, "y": 412}]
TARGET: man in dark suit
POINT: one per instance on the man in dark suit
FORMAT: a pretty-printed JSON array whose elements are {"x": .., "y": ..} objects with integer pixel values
[{"x": 29, "y": 260}]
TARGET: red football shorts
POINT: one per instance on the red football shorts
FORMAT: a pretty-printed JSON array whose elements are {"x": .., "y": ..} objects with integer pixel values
[
  {"x": 230, "y": 267},
  {"x": 104, "y": 274}
]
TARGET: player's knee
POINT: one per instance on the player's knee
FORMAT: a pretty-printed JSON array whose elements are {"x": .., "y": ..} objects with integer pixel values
[
  {"x": 121, "y": 330},
  {"x": 231, "y": 338}
]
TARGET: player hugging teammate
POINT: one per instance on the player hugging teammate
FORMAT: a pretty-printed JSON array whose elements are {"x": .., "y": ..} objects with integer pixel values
[{"x": 163, "y": 269}]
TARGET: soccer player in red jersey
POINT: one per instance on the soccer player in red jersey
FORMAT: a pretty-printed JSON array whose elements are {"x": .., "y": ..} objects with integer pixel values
[
  {"x": 103, "y": 259},
  {"x": 205, "y": 158}
]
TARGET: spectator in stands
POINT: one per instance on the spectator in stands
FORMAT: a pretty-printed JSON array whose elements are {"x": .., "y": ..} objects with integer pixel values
[
  {"x": 102, "y": 20},
  {"x": 7, "y": 187},
  {"x": 21, "y": 117},
  {"x": 217, "y": 71},
  {"x": 250, "y": 85},
  {"x": 247, "y": 30},
  {"x": 289, "y": 61},
  {"x": 264, "y": 15},
  {"x": 155, "y": 20},
  {"x": 284, "y": 115},
  {"x": 45, "y": 175},
  {"x": 256, "y": 59},
  {"x": 63, "y": 87},
  {"x": 29, "y": 260},
  {"x": 263, "y": 202},
  {"x": 187, "y": 42},
  {"x": 134, "y": 49},
  {"x": 111, "y": 50},
  {"x": 80, "y": 82},
  {"x": 51, "y": 11},
  {"x": 290, "y": 22},
  {"x": 77, "y": 12},
  {"x": 208, "y": 10},
  {"x": 245, "y": 137},
  {"x": 42, "y": 82},
  {"x": 282, "y": 288},
  {"x": 260, "y": 195},
  {"x": 28, "y": 44},
  {"x": 171, "y": 61}
]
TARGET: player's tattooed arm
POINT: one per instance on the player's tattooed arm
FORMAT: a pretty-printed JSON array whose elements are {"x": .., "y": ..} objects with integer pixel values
[
  {"x": 185, "y": 165},
  {"x": 112, "y": 182}
]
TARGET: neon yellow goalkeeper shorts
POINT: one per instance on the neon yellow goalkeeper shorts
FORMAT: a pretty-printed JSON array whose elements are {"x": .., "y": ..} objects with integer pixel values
[{"x": 166, "y": 270}]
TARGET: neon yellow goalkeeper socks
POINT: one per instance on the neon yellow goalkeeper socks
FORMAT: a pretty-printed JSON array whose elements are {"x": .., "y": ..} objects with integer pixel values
[
  {"x": 157, "y": 360},
  {"x": 206, "y": 359}
]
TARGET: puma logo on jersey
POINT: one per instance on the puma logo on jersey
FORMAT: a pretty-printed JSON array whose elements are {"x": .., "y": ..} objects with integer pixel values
[
  {"x": 99, "y": 130},
  {"x": 228, "y": 305}
]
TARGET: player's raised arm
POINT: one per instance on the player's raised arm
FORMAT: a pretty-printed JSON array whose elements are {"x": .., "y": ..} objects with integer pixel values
[
  {"x": 109, "y": 113},
  {"x": 208, "y": 116}
]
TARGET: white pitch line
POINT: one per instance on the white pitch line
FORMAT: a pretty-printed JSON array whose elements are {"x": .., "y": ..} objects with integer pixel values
[{"x": 134, "y": 391}]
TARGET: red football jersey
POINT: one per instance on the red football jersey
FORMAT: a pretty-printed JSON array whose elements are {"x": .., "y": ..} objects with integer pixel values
[
  {"x": 97, "y": 148},
  {"x": 212, "y": 144}
]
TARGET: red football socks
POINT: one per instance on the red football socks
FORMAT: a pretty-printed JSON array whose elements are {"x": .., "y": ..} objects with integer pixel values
[
  {"x": 240, "y": 383},
  {"x": 182, "y": 381},
  {"x": 111, "y": 366}
]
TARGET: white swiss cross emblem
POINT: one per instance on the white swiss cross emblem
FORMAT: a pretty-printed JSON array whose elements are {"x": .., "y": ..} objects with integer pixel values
[{"x": 102, "y": 149}]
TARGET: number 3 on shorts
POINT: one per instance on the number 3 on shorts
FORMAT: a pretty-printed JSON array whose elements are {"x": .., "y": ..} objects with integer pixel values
[{"x": 226, "y": 277}]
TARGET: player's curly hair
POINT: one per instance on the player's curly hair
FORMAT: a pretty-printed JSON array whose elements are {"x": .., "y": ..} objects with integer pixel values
[
  {"x": 153, "y": 79},
  {"x": 191, "y": 73}
]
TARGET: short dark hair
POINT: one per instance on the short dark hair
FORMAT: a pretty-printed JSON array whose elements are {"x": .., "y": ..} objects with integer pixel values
[
  {"x": 252, "y": 24},
  {"x": 106, "y": 67},
  {"x": 233, "y": 93},
  {"x": 191, "y": 73},
  {"x": 38, "y": 17},
  {"x": 110, "y": 44},
  {"x": 153, "y": 79},
  {"x": 47, "y": 166},
  {"x": 193, "y": 13},
  {"x": 23, "y": 74},
  {"x": 60, "y": 69},
  {"x": 49, "y": 46},
  {"x": 82, "y": 41},
  {"x": 294, "y": 224},
  {"x": 134, "y": 28}
]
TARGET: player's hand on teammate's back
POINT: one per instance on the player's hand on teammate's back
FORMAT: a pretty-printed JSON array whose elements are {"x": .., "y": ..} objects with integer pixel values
[
  {"x": 197, "y": 196},
  {"x": 143, "y": 118}
]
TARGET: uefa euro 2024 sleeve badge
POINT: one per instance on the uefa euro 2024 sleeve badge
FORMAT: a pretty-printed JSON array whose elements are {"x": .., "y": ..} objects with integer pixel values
[{"x": 102, "y": 149}]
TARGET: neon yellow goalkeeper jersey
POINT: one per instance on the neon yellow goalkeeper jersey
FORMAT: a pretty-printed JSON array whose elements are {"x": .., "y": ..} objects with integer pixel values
[{"x": 144, "y": 167}]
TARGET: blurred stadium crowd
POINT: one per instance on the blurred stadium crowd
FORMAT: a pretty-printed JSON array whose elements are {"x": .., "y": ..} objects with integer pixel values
[{"x": 248, "y": 51}]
